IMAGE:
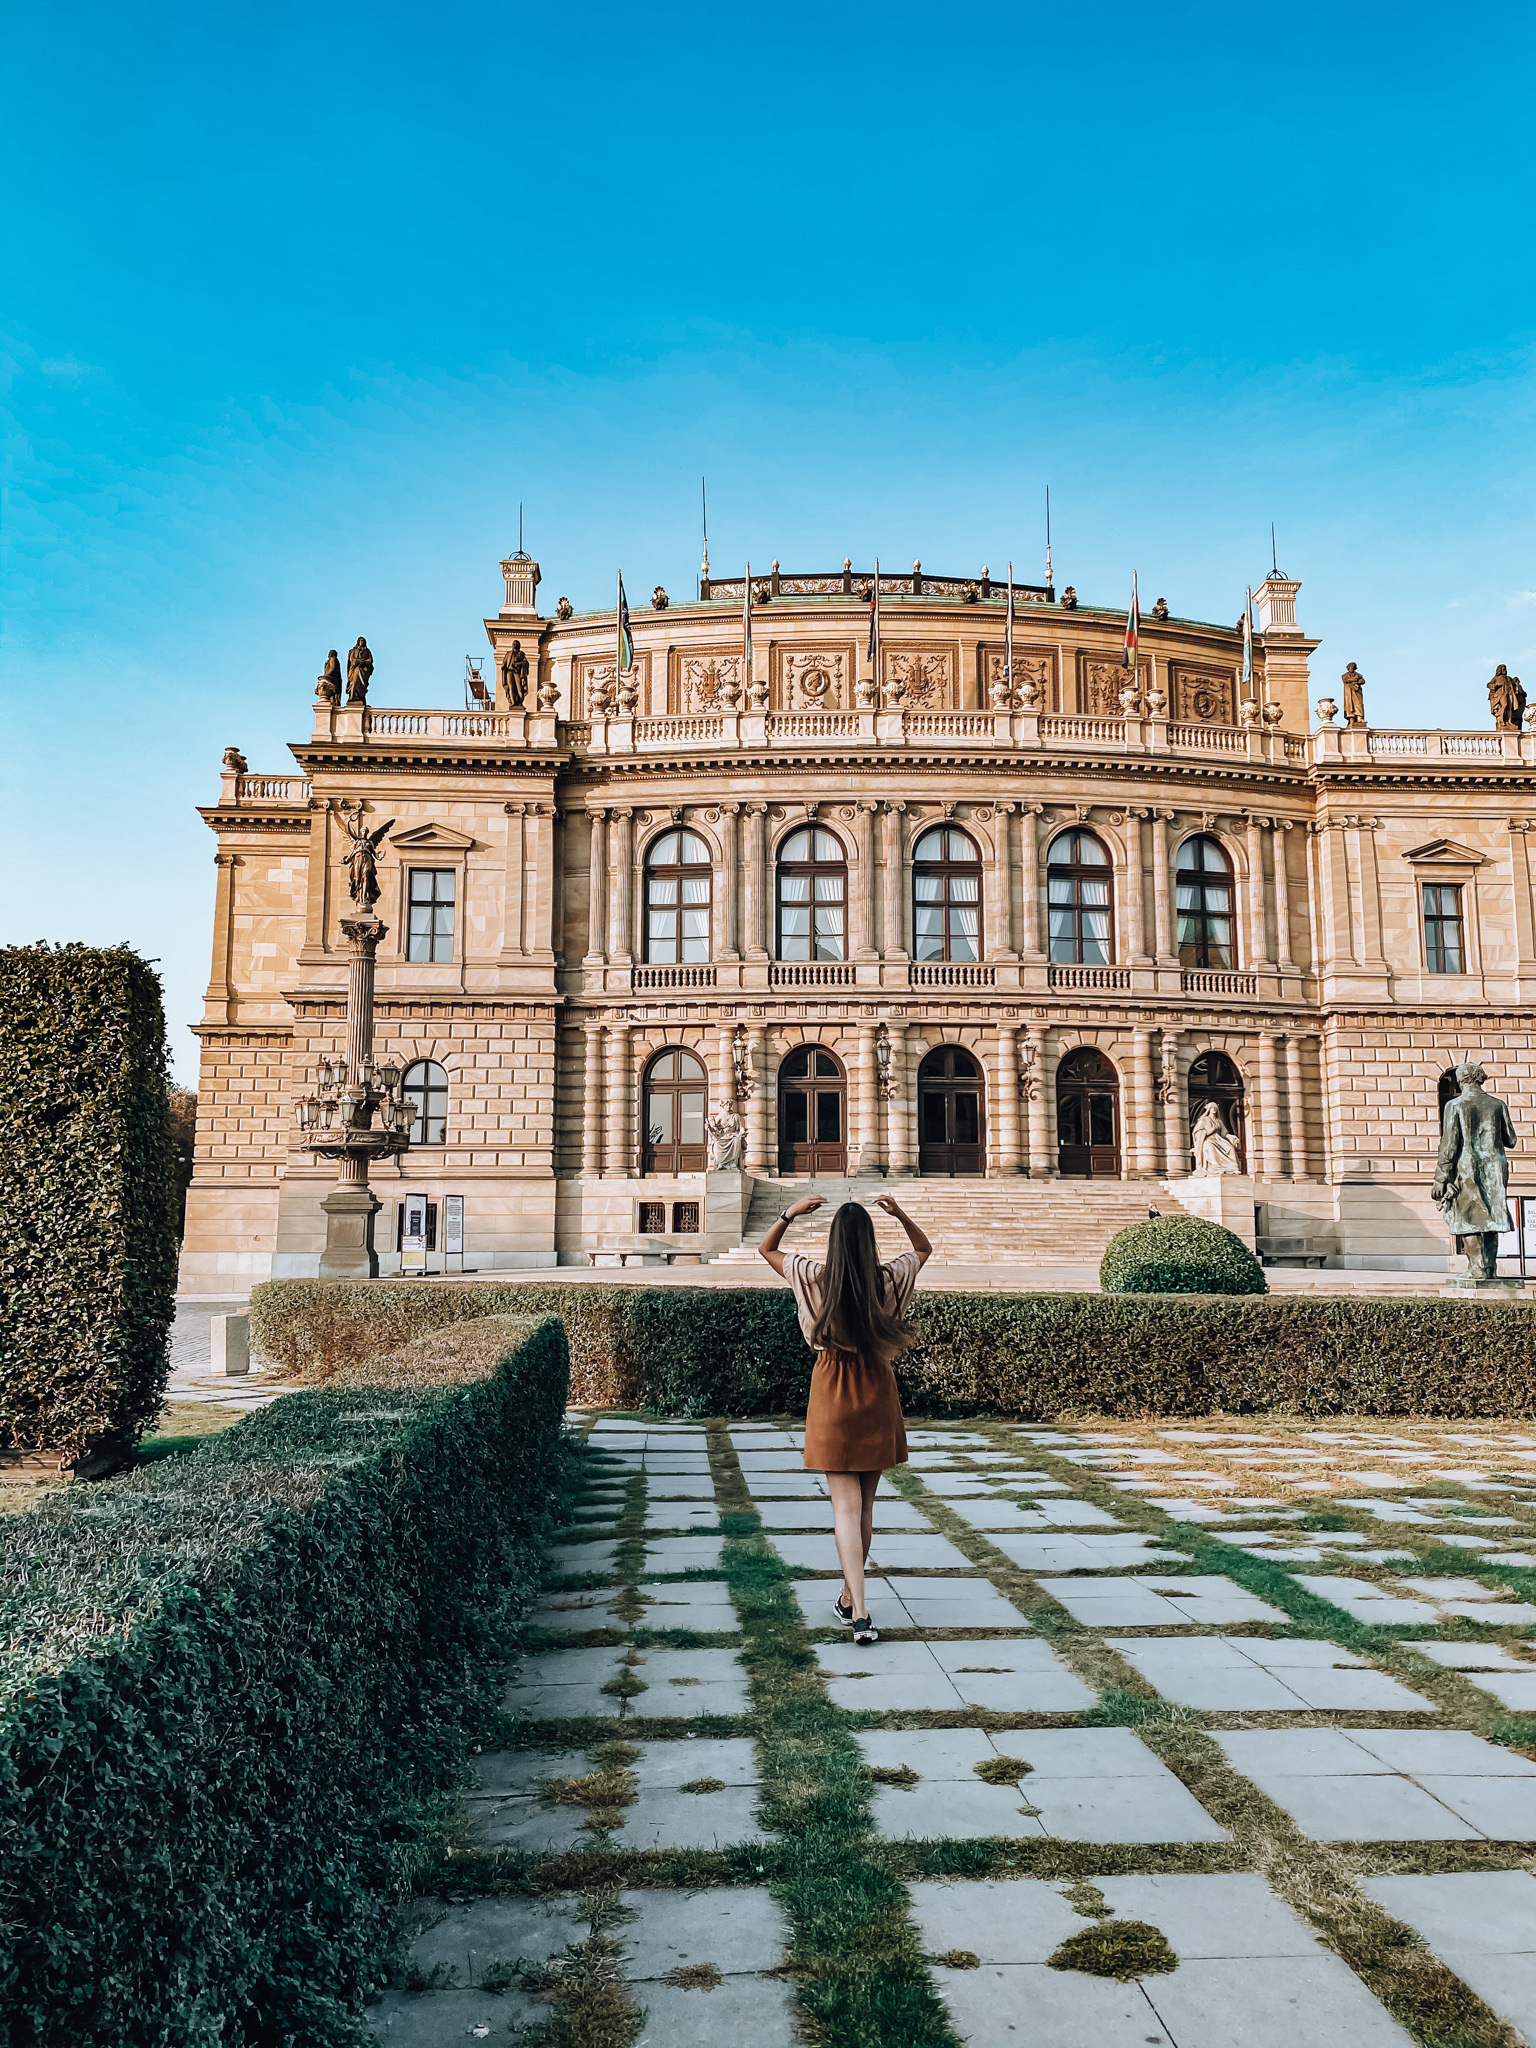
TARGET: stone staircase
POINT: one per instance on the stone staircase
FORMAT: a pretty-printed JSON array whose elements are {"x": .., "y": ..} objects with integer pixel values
[{"x": 971, "y": 1222}]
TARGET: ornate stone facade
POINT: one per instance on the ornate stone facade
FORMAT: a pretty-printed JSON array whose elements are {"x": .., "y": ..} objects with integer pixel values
[{"x": 912, "y": 924}]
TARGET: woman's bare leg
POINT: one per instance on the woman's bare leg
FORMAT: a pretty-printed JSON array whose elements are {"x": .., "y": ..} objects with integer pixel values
[
  {"x": 868, "y": 1481},
  {"x": 850, "y": 1527}
]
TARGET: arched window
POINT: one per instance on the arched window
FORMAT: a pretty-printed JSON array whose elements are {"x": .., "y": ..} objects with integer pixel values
[
  {"x": 677, "y": 884},
  {"x": 946, "y": 896},
  {"x": 1204, "y": 901},
  {"x": 676, "y": 1096},
  {"x": 425, "y": 1087},
  {"x": 1077, "y": 873},
  {"x": 813, "y": 894}
]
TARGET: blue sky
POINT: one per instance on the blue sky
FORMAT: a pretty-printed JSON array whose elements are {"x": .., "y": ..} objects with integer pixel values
[{"x": 303, "y": 301}]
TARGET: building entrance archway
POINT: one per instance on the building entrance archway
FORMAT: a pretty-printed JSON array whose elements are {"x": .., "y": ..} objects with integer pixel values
[
  {"x": 1213, "y": 1077},
  {"x": 951, "y": 1121},
  {"x": 1087, "y": 1116},
  {"x": 813, "y": 1112}
]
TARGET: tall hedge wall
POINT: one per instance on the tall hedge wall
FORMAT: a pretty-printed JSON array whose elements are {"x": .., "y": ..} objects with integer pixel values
[
  {"x": 88, "y": 1234},
  {"x": 737, "y": 1351},
  {"x": 230, "y": 1685}
]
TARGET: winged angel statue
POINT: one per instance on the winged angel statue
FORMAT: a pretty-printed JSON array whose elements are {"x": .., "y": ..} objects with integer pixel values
[{"x": 363, "y": 860}]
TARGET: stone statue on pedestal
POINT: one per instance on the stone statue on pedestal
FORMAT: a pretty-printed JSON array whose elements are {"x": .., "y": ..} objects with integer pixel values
[
  {"x": 328, "y": 685},
  {"x": 359, "y": 671},
  {"x": 1213, "y": 1145},
  {"x": 1506, "y": 700},
  {"x": 363, "y": 857},
  {"x": 514, "y": 673},
  {"x": 727, "y": 1136},
  {"x": 1472, "y": 1171},
  {"x": 1354, "y": 695}
]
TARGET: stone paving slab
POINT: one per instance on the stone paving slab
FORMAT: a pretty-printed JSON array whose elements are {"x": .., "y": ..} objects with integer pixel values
[
  {"x": 574, "y": 1612},
  {"x": 1510, "y": 1679},
  {"x": 674, "y": 1486},
  {"x": 736, "y": 1928},
  {"x": 1482, "y": 1925},
  {"x": 1158, "y": 1602},
  {"x": 955, "y": 1485},
  {"x": 953, "y": 1603},
  {"x": 1366, "y": 1601},
  {"x": 450, "y": 2019},
  {"x": 1390, "y": 1784},
  {"x": 756, "y": 2012},
  {"x": 704, "y": 1605},
  {"x": 1232, "y": 1674},
  {"x": 464, "y": 1941},
  {"x": 817, "y": 1514},
  {"x": 683, "y": 1554},
  {"x": 681, "y": 1515},
  {"x": 1062, "y": 1552},
  {"x": 682, "y": 1683},
  {"x": 563, "y": 1559},
  {"x": 1011, "y": 1677}
]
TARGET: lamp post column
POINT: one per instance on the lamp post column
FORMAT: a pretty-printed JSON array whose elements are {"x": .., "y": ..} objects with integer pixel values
[{"x": 351, "y": 1205}]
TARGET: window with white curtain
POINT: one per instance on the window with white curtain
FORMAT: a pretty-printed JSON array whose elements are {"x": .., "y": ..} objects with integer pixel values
[
  {"x": 946, "y": 896},
  {"x": 813, "y": 896},
  {"x": 1078, "y": 876},
  {"x": 678, "y": 871}
]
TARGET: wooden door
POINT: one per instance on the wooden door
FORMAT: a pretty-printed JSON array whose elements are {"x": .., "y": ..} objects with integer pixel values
[
  {"x": 813, "y": 1113},
  {"x": 676, "y": 1098},
  {"x": 950, "y": 1117},
  {"x": 1087, "y": 1117}
]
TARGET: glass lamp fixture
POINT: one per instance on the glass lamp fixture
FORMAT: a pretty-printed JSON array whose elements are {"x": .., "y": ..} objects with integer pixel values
[{"x": 389, "y": 1072}]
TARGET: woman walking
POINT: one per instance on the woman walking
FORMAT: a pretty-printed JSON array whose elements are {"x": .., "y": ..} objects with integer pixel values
[{"x": 851, "y": 1309}]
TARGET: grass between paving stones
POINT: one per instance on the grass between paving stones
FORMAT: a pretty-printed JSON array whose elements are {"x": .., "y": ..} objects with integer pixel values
[
  {"x": 1315, "y": 1879},
  {"x": 853, "y": 1948}
]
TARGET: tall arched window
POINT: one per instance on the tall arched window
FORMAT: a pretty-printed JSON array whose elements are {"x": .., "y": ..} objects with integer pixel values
[
  {"x": 1203, "y": 880},
  {"x": 426, "y": 1087},
  {"x": 678, "y": 868},
  {"x": 946, "y": 896},
  {"x": 676, "y": 1097},
  {"x": 813, "y": 896},
  {"x": 1082, "y": 914}
]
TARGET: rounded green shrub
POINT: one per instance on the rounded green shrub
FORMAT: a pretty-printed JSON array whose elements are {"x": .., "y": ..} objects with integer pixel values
[{"x": 1180, "y": 1255}]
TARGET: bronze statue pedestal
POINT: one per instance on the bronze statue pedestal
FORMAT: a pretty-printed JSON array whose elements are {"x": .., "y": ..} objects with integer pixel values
[{"x": 1480, "y": 1284}]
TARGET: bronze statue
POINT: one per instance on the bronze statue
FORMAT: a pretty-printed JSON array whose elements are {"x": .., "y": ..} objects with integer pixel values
[
  {"x": 328, "y": 686},
  {"x": 514, "y": 678},
  {"x": 1354, "y": 695},
  {"x": 363, "y": 860},
  {"x": 1160, "y": 609},
  {"x": 1069, "y": 599},
  {"x": 1472, "y": 1171},
  {"x": 359, "y": 671},
  {"x": 1506, "y": 700}
]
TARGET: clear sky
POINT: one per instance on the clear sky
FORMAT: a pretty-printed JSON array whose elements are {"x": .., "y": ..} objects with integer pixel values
[{"x": 303, "y": 300}]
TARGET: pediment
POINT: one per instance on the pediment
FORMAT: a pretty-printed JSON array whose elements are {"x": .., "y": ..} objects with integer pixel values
[
  {"x": 1445, "y": 853},
  {"x": 431, "y": 838}
]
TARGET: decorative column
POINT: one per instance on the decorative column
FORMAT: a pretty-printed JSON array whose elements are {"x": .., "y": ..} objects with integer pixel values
[
  {"x": 1135, "y": 892},
  {"x": 864, "y": 947},
  {"x": 597, "y": 885},
  {"x": 317, "y": 884},
  {"x": 1271, "y": 1163},
  {"x": 351, "y": 1205},
  {"x": 756, "y": 1109},
  {"x": 894, "y": 886},
  {"x": 218, "y": 996},
  {"x": 726, "y": 945},
  {"x": 592, "y": 1100},
  {"x": 1005, "y": 1094},
  {"x": 898, "y": 1108},
  {"x": 1258, "y": 933},
  {"x": 756, "y": 859},
  {"x": 1296, "y": 1103},
  {"x": 621, "y": 849},
  {"x": 1280, "y": 843},
  {"x": 513, "y": 945},
  {"x": 1144, "y": 1137},
  {"x": 619, "y": 1159},
  {"x": 1041, "y": 1163},
  {"x": 1161, "y": 909},
  {"x": 1008, "y": 926},
  {"x": 1029, "y": 879},
  {"x": 868, "y": 1105},
  {"x": 997, "y": 921},
  {"x": 1175, "y": 1151}
]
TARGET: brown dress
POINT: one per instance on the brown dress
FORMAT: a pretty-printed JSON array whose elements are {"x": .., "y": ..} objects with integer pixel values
[{"x": 853, "y": 1421}]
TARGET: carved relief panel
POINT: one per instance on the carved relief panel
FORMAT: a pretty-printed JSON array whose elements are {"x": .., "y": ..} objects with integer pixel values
[
  {"x": 1034, "y": 679},
  {"x": 600, "y": 693},
  {"x": 1201, "y": 696},
  {"x": 920, "y": 678},
  {"x": 813, "y": 678},
  {"x": 709, "y": 680},
  {"x": 1101, "y": 678}
]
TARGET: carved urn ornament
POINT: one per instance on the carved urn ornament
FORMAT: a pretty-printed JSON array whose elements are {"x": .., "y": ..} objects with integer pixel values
[
  {"x": 1130, "y": 700},
  {"x": 1272, "y": 714},
  {"x": 1157, "y": 702},
  {"x": 1248, "y": 714},
  {"x": 1327, "y": 710},
  {"x": 235, "y": 761}
]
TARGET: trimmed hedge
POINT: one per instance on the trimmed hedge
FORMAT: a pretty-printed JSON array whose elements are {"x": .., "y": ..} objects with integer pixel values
[
  {"x": 88, "y": 1243},
  {"x": 234, "y": 1688},
  {"x": 1180, "y": 1255},
  {"x": 738, "y": 1351}
]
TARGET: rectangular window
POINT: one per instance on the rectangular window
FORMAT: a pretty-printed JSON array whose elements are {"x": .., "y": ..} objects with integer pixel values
[
  {"x": 685, "y": 1219},
  {"x": 431, "y": 909},
  {"x": 1443, "y": 949},
  {"x": 653, "y": 1219}
]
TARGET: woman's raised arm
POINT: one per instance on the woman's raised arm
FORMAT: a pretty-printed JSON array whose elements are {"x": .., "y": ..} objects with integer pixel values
[
  {"x": 916, "y": 1236},
  {"x": 769, "y": 1248}
]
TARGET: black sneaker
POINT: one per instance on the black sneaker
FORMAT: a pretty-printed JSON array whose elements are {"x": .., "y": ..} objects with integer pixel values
[
  {"x": 864, "y": 1630},
  {"x": 844, "y": 1614}
]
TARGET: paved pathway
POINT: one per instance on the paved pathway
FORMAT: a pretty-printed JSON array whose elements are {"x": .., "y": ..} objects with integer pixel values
[{"x": 1122, "y": 1770}]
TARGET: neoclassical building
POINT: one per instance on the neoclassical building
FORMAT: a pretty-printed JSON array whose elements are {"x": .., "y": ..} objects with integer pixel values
[{"x": 1003, "y": 928}]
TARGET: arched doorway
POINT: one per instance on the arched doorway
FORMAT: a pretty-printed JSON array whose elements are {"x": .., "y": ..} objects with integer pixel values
[
  {"x": 1214, "y": 1078},
  {"x": 813, "y": 1112},
  {"x": 676, "y": 1096},
  {"x": 950, "y": 1126},
  {"x": 1087, "y": 1116}
]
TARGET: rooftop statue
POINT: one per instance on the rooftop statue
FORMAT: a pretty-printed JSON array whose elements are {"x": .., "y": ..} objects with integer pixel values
[
  {"x": 1160, "y": 609},
  {"x": 235, "y": 761},
  {"x": 363, "y": 859},
  {"x": 1506, "y": 700},
  {"x": 1472, "y": 1171},
  {"x": 359, "y": 671},
  {"x": 328, "y": 686},
  {"x": 1354, "y": 695},
  {"x": 514, "y": 673}
]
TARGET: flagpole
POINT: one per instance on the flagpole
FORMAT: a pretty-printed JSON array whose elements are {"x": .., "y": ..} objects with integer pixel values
[
  {"x": 1050, "y": 580},
  {"x": 746, "y": 640},
  {"x": 875, "y": 636},
  {"x": 1008, "y": 656},
  {"x": 618, "y": 629}
]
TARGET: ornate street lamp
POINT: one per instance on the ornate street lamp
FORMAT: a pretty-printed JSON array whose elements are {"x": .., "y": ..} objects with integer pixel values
[{"x": 338, "y": 1117}]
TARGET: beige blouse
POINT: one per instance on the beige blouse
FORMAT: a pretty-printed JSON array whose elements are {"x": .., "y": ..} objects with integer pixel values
[{"x": 898, "y": 1282}]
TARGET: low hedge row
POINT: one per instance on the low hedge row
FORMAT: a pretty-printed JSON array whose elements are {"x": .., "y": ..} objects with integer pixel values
[
  {"x": 738, "y": 1351},
  {"x": 233, "y": 1688}
]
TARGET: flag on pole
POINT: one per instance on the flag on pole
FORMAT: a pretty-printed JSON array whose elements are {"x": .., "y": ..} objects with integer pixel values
[
  {"x": 626, "y": 653},
  {"x": 746, "y": 630},
  {"x": 874, "y": 628},
  {"x": 1132, "y": 627},
  {"x": 1248, "y": 644},
  {"x": 1008, "y": 654}
]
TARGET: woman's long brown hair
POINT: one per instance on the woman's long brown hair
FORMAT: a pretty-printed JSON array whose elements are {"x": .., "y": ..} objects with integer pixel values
[{"x": 854, "y": 1316}]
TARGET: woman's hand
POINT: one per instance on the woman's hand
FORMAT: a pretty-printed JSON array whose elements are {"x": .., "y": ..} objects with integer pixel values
[
  {"x": 804, "y": 1207},
  {"x": 890, "y": 1205}
]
